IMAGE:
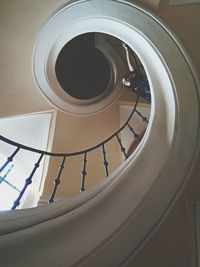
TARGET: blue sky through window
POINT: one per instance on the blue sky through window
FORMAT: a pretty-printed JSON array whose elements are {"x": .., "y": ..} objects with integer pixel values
[{"x": 12, "y": 180}]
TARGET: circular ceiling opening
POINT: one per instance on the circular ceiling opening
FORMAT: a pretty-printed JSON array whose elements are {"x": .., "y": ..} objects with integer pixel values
[{"x": 82, "y": 70}]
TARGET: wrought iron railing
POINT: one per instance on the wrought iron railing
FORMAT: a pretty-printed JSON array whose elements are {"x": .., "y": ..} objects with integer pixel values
[
  {"x": 140, "y": 91},
  {"x": 63, "y": 156}
]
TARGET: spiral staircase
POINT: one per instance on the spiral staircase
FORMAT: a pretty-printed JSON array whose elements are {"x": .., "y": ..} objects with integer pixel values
[{"x": 137, "y": 206}]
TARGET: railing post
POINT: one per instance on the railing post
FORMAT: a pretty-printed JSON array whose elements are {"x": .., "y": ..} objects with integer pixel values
[
  {"x": 57, "y": 180},
  {"x": 9, "y": 159},
  {"x": 122, "y": 147},
  {"x": 84, "y": 173},
  {"x": 141, "y": 116},
  {"x": 28, "y": 181},
  {"x": 84, "y": 152},
  {"x": 134, "y": 133},
  {"x": 105, "y": 162}
]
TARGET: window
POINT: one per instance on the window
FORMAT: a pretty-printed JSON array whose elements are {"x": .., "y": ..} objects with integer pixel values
[{"x": 11, "y": 183}]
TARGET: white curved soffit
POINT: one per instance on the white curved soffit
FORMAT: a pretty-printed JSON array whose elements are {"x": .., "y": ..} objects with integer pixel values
[
  {"x": 56, "y": 34},
  {"x": 106, "y": 225}
]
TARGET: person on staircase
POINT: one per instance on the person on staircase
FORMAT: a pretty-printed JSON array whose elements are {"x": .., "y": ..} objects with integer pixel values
[{"x": 135, "y": 80}]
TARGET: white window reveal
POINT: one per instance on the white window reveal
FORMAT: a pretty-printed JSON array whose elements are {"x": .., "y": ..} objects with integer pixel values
[
  {"x": 31, "y": 130},
  {"x": 11, "y": 183}
]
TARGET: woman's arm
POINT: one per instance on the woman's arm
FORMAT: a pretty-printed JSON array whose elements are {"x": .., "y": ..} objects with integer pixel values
[{"x": 130, "y": 66}]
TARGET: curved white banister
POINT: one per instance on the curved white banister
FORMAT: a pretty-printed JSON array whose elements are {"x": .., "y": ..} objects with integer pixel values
[{"x": 106, "y": 225}]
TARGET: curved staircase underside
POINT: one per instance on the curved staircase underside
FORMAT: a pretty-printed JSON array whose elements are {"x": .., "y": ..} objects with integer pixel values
[{"x": 109, "y": 224}]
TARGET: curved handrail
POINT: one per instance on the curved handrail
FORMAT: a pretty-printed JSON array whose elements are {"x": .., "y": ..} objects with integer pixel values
[
  {"x": 83, "y": 152},
  {"x": 63, "y": 156},
  {"x": 55, "y": 154}
]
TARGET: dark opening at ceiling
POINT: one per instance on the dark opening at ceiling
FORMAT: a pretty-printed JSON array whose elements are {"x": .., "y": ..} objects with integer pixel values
[{"x": 82, "y": 69}]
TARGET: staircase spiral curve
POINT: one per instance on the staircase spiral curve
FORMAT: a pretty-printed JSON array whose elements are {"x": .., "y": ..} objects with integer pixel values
[{"x": 107, "y": 225}]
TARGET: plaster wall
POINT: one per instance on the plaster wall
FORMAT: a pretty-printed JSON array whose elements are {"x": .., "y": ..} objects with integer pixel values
[
  {"x": 79, "y": 133},
  {"x": 20, "y": 23},
  {"x": 174, "y": 243}
]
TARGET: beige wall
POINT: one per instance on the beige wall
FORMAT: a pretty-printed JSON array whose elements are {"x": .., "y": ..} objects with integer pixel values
[
  {"x": 185, "y": 22},
  {"x": 74, "y": 133},
  {"x": 20, "y": 24}
]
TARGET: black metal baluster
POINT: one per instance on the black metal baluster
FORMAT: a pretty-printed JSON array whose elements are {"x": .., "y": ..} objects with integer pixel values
[
  {"x": 57, "y": 180},
  {"x": 28, "y": 181},
  {"x": 143, "y": 118},
  {"x": 64, "y": 155},
  {"x": 134, "y": 133},
  {"x": 122, "y": 147},
  {"x": 84, "y": 173},
  {"x": 9, "y": 159},
  {"x": 105, "y": 162}
]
